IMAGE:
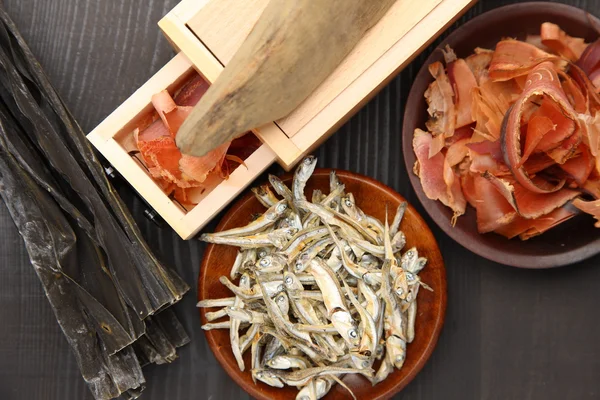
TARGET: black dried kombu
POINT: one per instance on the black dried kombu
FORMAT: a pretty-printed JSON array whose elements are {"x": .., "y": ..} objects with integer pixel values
[{"x": 108, "y": 291}]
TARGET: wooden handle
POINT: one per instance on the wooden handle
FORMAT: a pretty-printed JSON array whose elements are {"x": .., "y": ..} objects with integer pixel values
[{"x": 294, "y": 46}]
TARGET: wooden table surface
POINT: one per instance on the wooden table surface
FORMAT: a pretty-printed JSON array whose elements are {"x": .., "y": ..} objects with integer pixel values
[{"x": 509, "y": 334}]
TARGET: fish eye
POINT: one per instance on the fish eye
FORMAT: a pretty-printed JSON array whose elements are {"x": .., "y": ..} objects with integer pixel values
[
  {"x": 399, "y": 291},
  {"x": 298, "y": 265},
  {"x": 410, "y": 276},
  {"x": 282, "y": 207},
  {"x": 409, "y": 297},
  {"x": 243, "y": 279},
  {"x": 399, "y": 359},
  {"x": 265, "y": 261},
  {"x": 281, "y": 299},
  {"x": 289, "y": 280},
  {"x": 262, "y": 254},
  {"x": 280, "y": 288},
  {"x": 352, "y": 333},
  {"x": 307, "y": 160},
  {"x": 409, "y": 253},
  {"x": 365, "y": 364},
  {"x": 348, "y": 203},
  {"x": 259, "y": 374}
]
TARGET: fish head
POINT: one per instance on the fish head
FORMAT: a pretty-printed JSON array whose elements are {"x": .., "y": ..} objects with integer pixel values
[
  {"x": 413, "y": 291},
  {"x": 272, "y": 287},
  {"x": 276, "y": 182},
  {"x": 276, "y": 210},
  {"x": 291, "y": 281},
  {"x": 401, "y": 286},
  {"x": 279, "y": 362},
  {"x": 409, "y": 259},
  {"x": 349, "y": 206},
  {"x": 245, "y": 281},
  {"x": 398, "y": 241},
  {"x": 263, "y": 251},
  {"x": 267, "y": 377},
  {"x": 283, "y": 303},
  {"x": 419, "y": 265},
  {"x": 361, "y": 361},
  {"x": 306, "y": 168},
  {"x": 397, "y": 350},
  {"x": 334, "y": 182},
  {"x": 281, "y": 207},
  {"x": 344, "y": 324},
  {"x": 302, "y": 262},
  {"x": 271, "y": 263}
]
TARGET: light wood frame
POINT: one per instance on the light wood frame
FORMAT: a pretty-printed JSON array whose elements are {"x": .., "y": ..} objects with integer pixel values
[{"x": 208, "y": 32}]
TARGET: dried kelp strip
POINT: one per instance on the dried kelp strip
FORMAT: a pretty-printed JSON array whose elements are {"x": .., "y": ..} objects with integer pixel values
[
  {"x": 46, "y": 239},
  {"x": 146, "y": 288},
  {"x": 87, "y": 262},
  {"x": 170, "y": 325},
  {"x": 146, "y": 353},
  {"x": 160, "y": 341},
  {"x": 109, "y": 293},
  {"x": 132, "y": 393},
  {"x": 164, "y": 334},
  {"x": 81, "y": 146}
]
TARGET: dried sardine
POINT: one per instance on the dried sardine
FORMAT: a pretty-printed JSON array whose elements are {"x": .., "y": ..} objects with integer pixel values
[{"x": 328, "y": 300}]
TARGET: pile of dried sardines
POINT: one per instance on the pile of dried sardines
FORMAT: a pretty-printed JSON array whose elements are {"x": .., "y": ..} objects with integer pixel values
[
  {"x": 108, "y": 291},
  {"x": 323, "y": 291}
]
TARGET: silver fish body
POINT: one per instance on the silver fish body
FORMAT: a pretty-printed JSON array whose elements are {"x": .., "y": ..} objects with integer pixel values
[
  {"x": 264, "y": 221},
  {"x": 277, "y": 238},
  {"x": 267, "y": 377},
  {"x": 265, "y": 196},
  {"x": 305, "y": 257},
  {"x": 400, "y": 211},
  {"x": 288, "y": 362},
  {"x": 301, "y": 377},
  {"x": 301, "y": 176},
  {"x": 271, "y": 263}
]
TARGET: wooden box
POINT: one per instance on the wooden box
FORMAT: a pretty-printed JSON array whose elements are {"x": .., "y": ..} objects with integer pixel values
[{"x": 206, "y": 34}]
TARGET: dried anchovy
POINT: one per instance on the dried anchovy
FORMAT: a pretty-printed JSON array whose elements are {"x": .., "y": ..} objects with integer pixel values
[{"x": 359, "y": 306}]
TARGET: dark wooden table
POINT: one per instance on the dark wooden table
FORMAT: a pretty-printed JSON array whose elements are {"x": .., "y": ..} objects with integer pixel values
[{"x": 509, "y": 334}]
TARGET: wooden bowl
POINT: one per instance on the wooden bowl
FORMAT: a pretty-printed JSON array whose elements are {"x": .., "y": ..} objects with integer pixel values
[
  {"x": 571, "y": 241},
  {"x": 372, "y": 197}
]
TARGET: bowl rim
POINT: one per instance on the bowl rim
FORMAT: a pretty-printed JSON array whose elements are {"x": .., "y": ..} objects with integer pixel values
[
  {"x": 525, "y": 261},
  {"x": 438, "y": 322}
]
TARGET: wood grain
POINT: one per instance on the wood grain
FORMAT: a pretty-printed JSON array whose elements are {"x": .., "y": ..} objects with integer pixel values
[
  {"x": 293, "y": 48},
  {"x": 509, "y": 334}
]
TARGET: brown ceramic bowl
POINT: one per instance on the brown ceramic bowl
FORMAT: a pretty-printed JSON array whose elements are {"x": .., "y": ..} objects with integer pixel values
[
  {"x": 571, "y": 241},
  {"x": 372, "y": 197}
]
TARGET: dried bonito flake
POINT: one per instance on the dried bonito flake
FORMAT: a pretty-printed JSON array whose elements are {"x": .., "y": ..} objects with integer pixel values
[{"x": 514, "y": 132}]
